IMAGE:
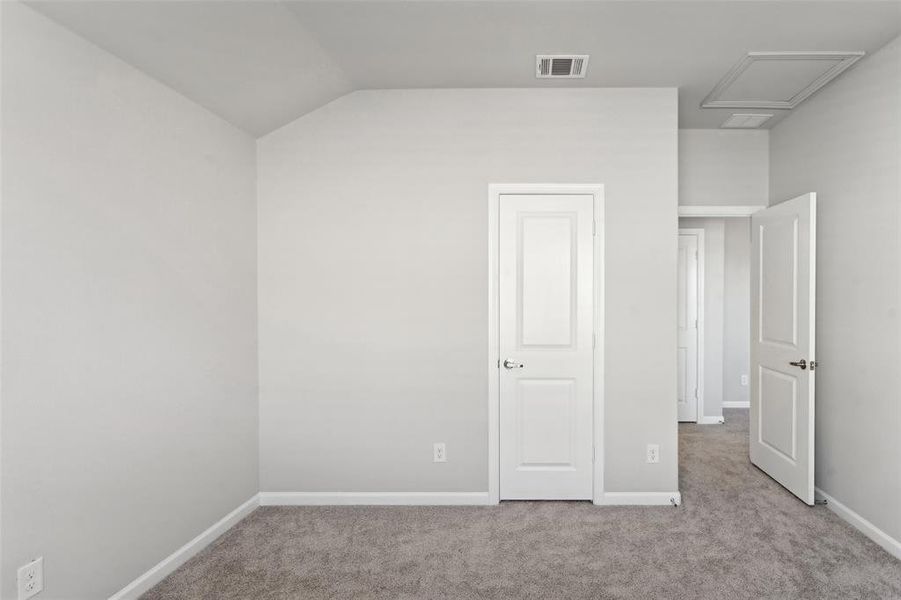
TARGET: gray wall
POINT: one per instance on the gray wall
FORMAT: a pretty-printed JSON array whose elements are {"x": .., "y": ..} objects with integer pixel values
[
  {"x": 845, "y": 145},
  {"x": 737, "y": 309},
  {"x": 373, "y": 279},
  {"x": 129, "y": 329},
  {"x": 723, "y": 167}
]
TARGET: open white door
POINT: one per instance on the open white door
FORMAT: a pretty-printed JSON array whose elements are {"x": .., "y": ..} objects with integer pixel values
[{"x": 783, "y": 286}]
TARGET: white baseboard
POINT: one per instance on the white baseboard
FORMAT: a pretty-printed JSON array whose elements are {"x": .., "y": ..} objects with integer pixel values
[
  {"x": 737, "y": 404},
  {"x": 443, "y": 499},
  {"x": 640, "y": 499},
  {"x": 373, "y": 498},
  {"x": 711, "y": 421},
  {"x": 139, "y": 586},
  {"x": 891, "y": 545}
]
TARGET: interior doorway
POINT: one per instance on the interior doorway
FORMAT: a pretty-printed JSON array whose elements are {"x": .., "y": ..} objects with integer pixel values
[
  {"x": 713, "y": 309},
  {"x": 760, "y": 270}
]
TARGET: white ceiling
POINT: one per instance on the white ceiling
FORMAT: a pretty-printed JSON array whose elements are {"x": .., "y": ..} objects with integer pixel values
[{"x": 261, "y": 63}]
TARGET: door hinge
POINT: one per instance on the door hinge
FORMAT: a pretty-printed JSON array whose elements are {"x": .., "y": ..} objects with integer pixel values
[
  {"x": 594, "y": 228},
  {"x": 696, "y": 323}
]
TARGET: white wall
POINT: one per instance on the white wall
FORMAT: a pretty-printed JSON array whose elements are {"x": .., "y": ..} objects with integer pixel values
[
  {"x": 845, "y": 145},
  {"x": 373, "y": 279},
  {"x": 737, "y": 309},
  {"x": 128, "y": 260},
  {"x": 723, "y": 167}
]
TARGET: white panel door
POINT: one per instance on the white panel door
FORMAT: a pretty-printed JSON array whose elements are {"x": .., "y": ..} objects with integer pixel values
[
  {"x": 687, "y": 319},
  {"x": 546, "y": 346},
  {"x": 783, "y": 260}
]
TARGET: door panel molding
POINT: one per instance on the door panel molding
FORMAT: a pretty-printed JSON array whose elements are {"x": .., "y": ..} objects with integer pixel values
[{"x": 495, "y": 191}]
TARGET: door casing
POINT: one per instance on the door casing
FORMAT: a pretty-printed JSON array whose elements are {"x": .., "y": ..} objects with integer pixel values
[{"x": 495, "y": 191}]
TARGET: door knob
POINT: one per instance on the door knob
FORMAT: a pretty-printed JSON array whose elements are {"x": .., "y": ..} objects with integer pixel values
[
  {"x": 509, "y": 364},
  {"x": 800, "y": 363}
]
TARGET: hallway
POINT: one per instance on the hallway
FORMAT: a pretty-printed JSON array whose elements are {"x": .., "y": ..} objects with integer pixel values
[{"x": 738, "y": 534}]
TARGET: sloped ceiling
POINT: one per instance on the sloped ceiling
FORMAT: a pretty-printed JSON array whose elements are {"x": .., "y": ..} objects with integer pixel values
[
  {"x": 261, "y": 64},
  {"x": 252, "y": 63}
]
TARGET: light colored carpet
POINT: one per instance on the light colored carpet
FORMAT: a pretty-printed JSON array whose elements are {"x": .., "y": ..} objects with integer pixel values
[{"x": 737, "y": 534}]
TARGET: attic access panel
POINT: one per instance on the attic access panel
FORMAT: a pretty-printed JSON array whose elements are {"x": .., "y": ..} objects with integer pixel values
[{"x": 780, "y": 80}]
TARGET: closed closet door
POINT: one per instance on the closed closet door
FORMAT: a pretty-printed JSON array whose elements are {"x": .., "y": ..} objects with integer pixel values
[{"x": 546, "y": 346}]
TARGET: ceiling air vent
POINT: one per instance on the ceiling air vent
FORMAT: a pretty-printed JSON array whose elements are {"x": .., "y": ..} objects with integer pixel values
[
  {"x": 746, "y": 121},
  {"x": 561, "y": 66}
]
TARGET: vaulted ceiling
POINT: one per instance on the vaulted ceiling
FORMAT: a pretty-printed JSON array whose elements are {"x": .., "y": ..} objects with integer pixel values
[{"x": 261, "y": 63}]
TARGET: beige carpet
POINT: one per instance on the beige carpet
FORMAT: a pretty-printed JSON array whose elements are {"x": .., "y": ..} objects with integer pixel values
[{"x": 737, "y": 534}]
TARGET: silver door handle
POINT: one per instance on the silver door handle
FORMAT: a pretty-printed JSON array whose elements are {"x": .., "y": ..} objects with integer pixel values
[
  {"x": 799, "y": 363},
  {"x": 509, "y": 364}
]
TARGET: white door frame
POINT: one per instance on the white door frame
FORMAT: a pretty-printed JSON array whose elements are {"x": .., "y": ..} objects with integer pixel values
[
  {"x": 702, "y": 250},
  {"x": 495, "y": 190}
]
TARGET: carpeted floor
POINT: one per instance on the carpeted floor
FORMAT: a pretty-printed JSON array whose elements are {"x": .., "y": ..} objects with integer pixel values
[{"x": 737, "y": 534}]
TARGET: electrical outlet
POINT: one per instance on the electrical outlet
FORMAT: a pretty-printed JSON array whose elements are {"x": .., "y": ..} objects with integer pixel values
[
  {"x": 653, "y": 453},
  {"x": 439, "y": 452},
  {"x": 744, "y": 380},
  {"x": 30, "y": 579}
]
